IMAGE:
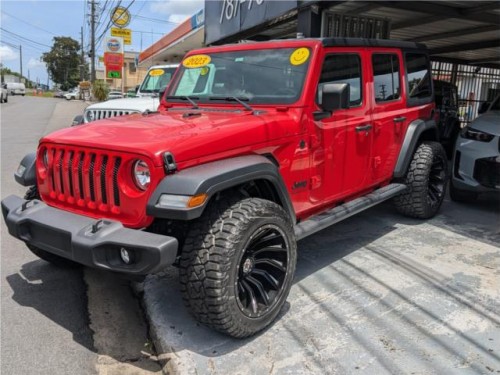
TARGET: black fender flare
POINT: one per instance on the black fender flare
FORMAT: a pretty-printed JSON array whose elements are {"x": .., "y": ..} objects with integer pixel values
[
  {"x": 214, "y": 177},
  {"x": 26, "y": 176},
  {"x": 410, "y": 143}
]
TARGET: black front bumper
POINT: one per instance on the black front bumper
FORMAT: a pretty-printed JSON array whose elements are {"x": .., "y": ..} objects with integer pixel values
[
  {"x": 487, "y": 172},
  {"x": 94, "y": 243}
]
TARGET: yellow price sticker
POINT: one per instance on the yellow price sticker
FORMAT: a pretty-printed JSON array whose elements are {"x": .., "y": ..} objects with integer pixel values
[
  {"x": 196, "y": 61},
  {"x": 299, "y": 56},
  {"x": 156, "y": 72}
]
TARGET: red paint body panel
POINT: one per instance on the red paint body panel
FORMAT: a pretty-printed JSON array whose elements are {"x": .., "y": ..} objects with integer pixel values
[{"x": 337, "y": 162}]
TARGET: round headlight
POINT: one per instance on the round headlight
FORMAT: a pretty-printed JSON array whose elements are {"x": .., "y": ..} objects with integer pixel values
[
  {"x": 89, "y": 116},
  {"x": 45, "y": 158},
  {"x": 142, "y": 175}
]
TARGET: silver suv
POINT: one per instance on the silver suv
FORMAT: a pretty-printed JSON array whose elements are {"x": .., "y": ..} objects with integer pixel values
[{"x": 476, "y": 162}]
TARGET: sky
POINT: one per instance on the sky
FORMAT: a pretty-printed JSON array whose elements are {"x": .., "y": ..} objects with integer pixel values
[{"x": 34, "y": 23}]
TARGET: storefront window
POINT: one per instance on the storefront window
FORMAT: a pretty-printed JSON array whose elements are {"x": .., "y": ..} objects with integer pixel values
[{"x": 256, "y": 76}]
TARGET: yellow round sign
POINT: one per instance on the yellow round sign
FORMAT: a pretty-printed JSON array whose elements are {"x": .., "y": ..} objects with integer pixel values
[
  {"x": 156, "y": 72},
  {"x": 120, "y": 17},
  {"x": 299, "y": 56},
  {"x": 196, "y": 61}
]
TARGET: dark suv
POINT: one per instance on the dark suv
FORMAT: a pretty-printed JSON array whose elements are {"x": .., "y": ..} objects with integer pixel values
[{"x": 254, "y": 147}]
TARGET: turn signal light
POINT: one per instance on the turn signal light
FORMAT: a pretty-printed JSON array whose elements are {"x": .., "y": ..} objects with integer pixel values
[{"x": 197, "y": 200}]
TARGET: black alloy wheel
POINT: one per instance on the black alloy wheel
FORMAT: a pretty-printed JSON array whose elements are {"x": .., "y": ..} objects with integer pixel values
[
  {"x": 437, "y": 181},
  {"x": 262, "y": 271}
]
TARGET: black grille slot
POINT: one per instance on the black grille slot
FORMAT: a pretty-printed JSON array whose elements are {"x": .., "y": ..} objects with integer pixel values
[
  {"x": 103, "y": 179},
  {"x": 91, "y": 178},
  {"x": 116, "y": 191},
  {"x": 70, "y": 173},
  {"x": 61, "y": 173},
  {"x": 80, "y": 175}
]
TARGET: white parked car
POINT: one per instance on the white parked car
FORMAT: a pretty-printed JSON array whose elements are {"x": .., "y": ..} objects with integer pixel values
[
  {"x": 72, "y": 94},
  {"x": 16, "y": 88},
  {"x": 148, "y": 97},
  {"x": 476, "y": 162},
  {"x": 4, "y": 96}
]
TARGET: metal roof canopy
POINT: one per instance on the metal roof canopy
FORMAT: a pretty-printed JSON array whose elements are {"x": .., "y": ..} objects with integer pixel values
[{"x": 464, "y": 32}]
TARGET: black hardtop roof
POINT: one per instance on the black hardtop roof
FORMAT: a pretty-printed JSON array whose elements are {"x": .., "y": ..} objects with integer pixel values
[{"x": 364, "y": 42}]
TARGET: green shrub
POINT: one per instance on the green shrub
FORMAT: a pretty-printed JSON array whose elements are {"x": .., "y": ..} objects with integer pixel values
[{"x": 100, "y": 90}]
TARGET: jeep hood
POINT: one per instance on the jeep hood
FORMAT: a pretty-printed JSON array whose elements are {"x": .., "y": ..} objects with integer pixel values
[
  {"x": 131, "y": 104},
  {"x": 488, "y": 122},
  {"x": 188, "y": 134}
]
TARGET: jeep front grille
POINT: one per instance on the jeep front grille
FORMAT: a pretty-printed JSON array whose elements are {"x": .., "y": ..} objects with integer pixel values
[
  {"x": 99, "y": 114},
  {"x": 84, "y": 178}
]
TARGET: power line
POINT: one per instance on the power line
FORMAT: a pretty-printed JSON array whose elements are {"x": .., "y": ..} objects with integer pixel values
[
  {"x": 24, "y": 38},
  {"x": 27, "y": 23},
  {"x": 156, "y": 20}
]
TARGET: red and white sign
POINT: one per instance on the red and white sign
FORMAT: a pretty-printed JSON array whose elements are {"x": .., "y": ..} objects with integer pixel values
[{"x": 113, "y": 44}]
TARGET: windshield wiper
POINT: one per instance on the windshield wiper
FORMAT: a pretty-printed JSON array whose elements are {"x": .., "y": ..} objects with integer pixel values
[
  {"x": 233, "y": 99},
  {"x": 190, "y": 99}
]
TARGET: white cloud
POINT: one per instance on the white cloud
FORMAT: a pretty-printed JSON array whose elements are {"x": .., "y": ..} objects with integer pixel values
[
  {"x": 8, "y": 54},
  {"x": 35, "y": 63},
  {"x": 177, "y": 10}
]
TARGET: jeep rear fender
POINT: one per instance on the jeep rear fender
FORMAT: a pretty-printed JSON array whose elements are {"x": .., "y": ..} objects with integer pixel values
[
  {"x": 213, "y": 178},
  {"x": 418, "y": 131}
]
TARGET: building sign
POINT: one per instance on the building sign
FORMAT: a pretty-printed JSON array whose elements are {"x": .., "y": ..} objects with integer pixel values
[
  {"x": 126, "y": 34},
  {"x": 198, "y": 19},
  {"x": 120, "y": 17},
  {"x": 230, "y": 17},
  {"x": 114, "y": 74},
  {"x": 113, "y": 44}
]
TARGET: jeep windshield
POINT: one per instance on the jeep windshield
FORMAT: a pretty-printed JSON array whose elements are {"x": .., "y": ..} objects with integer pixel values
[
  {"x": 157, "y": 80},
  {"x": 269, "y": 76}
]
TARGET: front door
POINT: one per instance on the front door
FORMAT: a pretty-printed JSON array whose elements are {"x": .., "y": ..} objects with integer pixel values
[{"x": 342, "y": 142}]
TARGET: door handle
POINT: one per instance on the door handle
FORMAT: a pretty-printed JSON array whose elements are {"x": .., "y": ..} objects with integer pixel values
[
  {"x": 363, "y": 128},
  {"x": 399, "y": 119}
]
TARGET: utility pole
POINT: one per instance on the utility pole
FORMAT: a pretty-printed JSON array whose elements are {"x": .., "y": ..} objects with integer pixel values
[
  {"x": 82, "y": 66},
  {"x": 21, "y": 59},
  {"x": 92, "y": 41}
]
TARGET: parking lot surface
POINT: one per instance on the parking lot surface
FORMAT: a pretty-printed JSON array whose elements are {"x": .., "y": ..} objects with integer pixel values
[{"x": 375, "y": 294}]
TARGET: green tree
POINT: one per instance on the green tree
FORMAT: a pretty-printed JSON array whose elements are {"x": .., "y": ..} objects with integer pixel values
[{"x": 63, "y": 62}]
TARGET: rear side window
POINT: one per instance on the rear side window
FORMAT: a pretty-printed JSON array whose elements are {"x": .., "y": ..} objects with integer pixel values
[
  {"x": 386, "y": 77},
  {"x": 338, "y": 68},
  {"x": 418, "y": 78}
]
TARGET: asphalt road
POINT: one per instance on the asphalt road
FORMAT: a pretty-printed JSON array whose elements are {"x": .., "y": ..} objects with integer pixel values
[{"x": 44, "y": 319}]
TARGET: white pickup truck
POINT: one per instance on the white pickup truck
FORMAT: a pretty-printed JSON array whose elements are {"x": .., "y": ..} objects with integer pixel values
[{"x": 147, "y": 97}]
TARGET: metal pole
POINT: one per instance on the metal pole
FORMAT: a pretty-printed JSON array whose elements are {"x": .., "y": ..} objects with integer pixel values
[
  {"x": 21, "y": 59},
  {"x": 92, "y": 43},
  {"x": 82, "y": 57}
]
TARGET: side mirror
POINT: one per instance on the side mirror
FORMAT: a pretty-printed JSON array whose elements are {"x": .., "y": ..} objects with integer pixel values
[
  {"x": 335, "y": 96},
  {"x": 483, "y": 107},
  {"x": 78, "y": 120}
]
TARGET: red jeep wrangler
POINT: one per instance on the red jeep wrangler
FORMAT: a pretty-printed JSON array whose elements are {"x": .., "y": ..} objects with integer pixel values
[{"x": 254, "y": 147}]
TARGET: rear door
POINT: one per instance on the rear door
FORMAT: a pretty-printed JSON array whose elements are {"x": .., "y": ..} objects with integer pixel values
[{"x": 389, "y": 117}]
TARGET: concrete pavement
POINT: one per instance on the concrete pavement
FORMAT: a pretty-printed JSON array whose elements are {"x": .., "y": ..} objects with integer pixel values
[{"x": 376, "y": 294}]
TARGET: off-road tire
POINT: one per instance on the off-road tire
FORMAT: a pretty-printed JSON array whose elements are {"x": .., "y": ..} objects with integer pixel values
[
  {"x": 462, "y": 196},
  {"x": 32, "y": 193},
  {"x": 215, "y": 256},
  {"x": 426, "y": 179}
]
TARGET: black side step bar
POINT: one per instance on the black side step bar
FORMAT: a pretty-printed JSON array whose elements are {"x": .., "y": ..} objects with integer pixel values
[{"x": 339, "y": 213}]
